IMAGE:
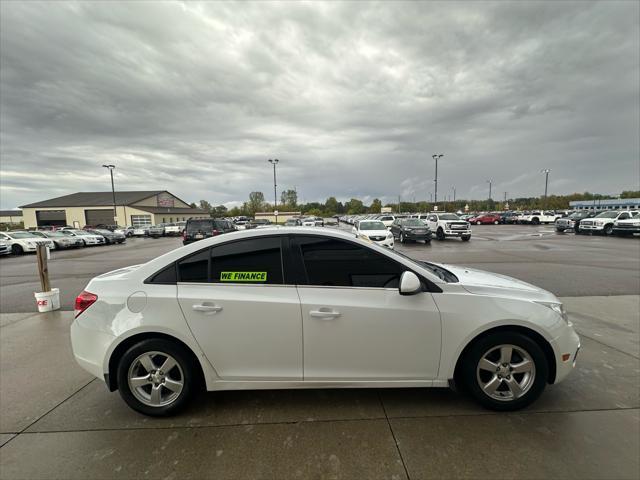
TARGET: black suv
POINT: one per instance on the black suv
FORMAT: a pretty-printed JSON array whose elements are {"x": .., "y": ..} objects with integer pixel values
[
  {"x": 405, "y": 229},
  {"x": 201, "y": 228}
]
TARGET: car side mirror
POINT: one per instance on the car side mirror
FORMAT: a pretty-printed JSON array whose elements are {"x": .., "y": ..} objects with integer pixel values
[{"x": 409, "y": 284}]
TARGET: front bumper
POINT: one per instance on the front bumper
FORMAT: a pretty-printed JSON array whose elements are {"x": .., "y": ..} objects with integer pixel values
[
  {"x": 388, "y": 242},
  {"x": 591, "y": 228},
  {"x": 567, "y": 345},
  {"x": 457, "y": 233},
  {"x": 411, "y": 235}
]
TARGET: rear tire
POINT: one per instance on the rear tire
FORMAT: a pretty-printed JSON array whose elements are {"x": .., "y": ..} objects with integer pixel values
[
  {"x": 146, "y": 387},
  {"x": 402, "y": 240},
  {"x": 505, "y": 371}
]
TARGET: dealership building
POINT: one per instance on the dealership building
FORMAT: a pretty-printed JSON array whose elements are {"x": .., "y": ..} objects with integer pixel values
[
  {"x": 608, "y": 204},
  {"x": 137, "y": 208},
  {"x": 11, "y": 217}
]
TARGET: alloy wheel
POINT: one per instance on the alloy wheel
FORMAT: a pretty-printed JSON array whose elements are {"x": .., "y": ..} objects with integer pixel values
[
  {"x": 155, "y": 379},
  {"x": 506, "y": 372}
]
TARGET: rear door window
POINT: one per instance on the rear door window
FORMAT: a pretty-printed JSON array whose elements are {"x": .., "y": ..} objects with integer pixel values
[{"x": 252, "y": 261}]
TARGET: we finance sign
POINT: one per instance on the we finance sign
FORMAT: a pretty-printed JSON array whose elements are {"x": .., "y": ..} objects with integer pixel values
[{"x": 243, "y": 276}]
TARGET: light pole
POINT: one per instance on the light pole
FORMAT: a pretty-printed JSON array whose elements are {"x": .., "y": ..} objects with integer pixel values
[
  {"x": 490, "y": 182},
  {"x": 546, "y": 184},
  {"x": 113, "y": 193},
  {"x": 274, "y": 162},
  {"x": 436, "y": 157},
  {"x": 454, "y": 193}
]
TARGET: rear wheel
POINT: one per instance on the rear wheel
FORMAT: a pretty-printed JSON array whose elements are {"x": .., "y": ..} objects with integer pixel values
[
  {"x": 156, "y": 377},
  {"x": 505, "y": 371},
  {"x": 402, "y": 240},
  {"x": 496, "y": 222}
]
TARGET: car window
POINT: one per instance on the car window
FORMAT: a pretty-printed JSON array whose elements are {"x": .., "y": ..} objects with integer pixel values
[
  {"x": 194, "y": 268},
  {"x": 623, "y": 216},
  {"x": 199, "y": 225},
  {"x": 253, "y": 261},
  {"x": 333, "y": 262}
]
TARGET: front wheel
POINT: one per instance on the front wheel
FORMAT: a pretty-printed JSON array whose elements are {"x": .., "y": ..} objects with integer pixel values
[
  {"x": 440, "y": 234},
  {"x": 561, "y": 230},
  {"x": 608, "y": 230},
  {"x": 17, "y": 249},
  {"x": 156, "y": 377},
  {"x": 402, "y": 238},
  {"x": 478, "y": 222},
  {"x": 505, "y": 371},
  {"x": 465, "y": 238},
  {"x": 496, "y": 222}
]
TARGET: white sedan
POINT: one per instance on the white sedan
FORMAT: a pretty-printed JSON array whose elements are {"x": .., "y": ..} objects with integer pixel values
[
  {"x": 23, "y": 242},
  {"x": 308, "y": 308},
  {"x": 86, "y": 237},
  {"x": 374, "y": 231}
]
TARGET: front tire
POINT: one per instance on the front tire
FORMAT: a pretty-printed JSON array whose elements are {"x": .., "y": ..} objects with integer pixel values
[
  {"x": 505, "y": 371},
  {"x": 608, "y": 230},
  {"x": 496, "y": 222},
  {"x": 157, "y": 377},
  {"x": 440, "y": 234},
  {"x": 465, "y": 238},
  {"x": 402, "y": 240},
  {"x": 17, "y": 249}
]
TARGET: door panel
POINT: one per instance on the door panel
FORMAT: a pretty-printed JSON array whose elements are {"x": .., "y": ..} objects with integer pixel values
[
  {"x": 369, "y": 334},
  {"x": 246, "y": 331}
]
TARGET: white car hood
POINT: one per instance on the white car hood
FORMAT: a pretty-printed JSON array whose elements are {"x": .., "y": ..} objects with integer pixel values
[{"x": 487, "y": 283}]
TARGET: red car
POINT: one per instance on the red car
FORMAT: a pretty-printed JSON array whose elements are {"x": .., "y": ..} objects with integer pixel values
[{"x": 485, "y": 219}]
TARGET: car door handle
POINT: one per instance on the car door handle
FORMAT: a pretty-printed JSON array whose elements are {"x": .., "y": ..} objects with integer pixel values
[
  {"x": 324, "y": 314},
  {"x": 207, "y": 308}
]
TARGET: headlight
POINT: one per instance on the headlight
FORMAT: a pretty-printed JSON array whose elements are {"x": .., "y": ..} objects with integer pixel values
[
  {"x": 31, "y": 244},
  {"x": 599, "y": 222},
  {"x": 389, "y": 235},
  {"x": 559, "y": 309}
]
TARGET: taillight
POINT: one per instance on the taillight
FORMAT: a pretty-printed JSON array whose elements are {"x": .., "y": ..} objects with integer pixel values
[
  {"x": 184, "y": 234},
  {"x": 84, "y": 301},
  {"x": 215, "y": 232}
]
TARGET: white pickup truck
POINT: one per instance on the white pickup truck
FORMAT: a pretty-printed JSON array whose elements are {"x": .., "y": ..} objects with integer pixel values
[
  {"x": 628, "y": 224},
  {"x": 538, "y": 216},
  {"x": 604, "y": 222},
  {"x": 447, "y": 225},
  {"x": 174, "y": 228}
]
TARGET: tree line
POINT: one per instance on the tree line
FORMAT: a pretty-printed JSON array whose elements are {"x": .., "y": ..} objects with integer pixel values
[{"x": 331, "y": 206}]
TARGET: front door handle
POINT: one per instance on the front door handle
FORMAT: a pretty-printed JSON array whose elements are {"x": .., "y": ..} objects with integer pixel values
[
  {"x": 324, "y": 314},
  {"x": 207, "y": 308}
]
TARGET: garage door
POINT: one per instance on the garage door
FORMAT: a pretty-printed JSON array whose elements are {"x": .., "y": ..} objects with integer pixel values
[
  {"x": 98, "y": 217},
  {"x": 45, "y": 218}
]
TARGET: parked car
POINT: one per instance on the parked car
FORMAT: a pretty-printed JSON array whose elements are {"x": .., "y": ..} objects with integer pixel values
[
  {"x": 258, "y": 223},
  {"x": 602, "y": 222},
  {"x": 367, "y": 317},
  {"x": 86, "y": 237},
  {"x": 374, "y": 231},
  {"x": 5, "y": 249},
  {"x": 572, "y": 222},
  {"x": 508, "y": 217},
  {"x": 23, "y": 242},
  {"x": 293, "y": 222},
  {"x": 538, "y": 216},
  {"x": 313, "y": 222},
  {"x": 60, "y": 239},
  {"x": 627, "y": 224},
  {"x": 156, "y": 231},
  {"x": 448, "y": 225},
  {"x": 486, "y": 219},
  {"x": 386, "y": 219},
  {"x": 109, "y": 236},
  {"x": 126, "y": 231},
  {"x": 410, "y": 229},
  {"x": 174, "y": 229},
  {"x": 201, "y": 228}
]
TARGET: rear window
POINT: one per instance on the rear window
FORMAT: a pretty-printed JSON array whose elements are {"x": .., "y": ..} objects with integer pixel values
[{"x": 195, "y": 225}]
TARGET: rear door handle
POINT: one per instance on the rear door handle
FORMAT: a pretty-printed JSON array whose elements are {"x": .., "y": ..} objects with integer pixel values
[
  {"x": 207, "y": 308},
  {"x": 324, "y": 314}
]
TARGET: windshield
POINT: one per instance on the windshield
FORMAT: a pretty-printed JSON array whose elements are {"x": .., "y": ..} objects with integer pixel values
[
  {"x": 22, "y": 235},
  {"x": 607, "y": 215},
  {"x": 449, "y": 216},
  {"x": 82, "y": 233},
  {"x": 372, "y": 226},
  {"x": 412, "y": 222},
  {"x": 55, "y": 234}
]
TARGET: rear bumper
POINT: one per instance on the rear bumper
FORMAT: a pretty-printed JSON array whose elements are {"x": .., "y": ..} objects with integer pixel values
[{"x": 89, "y": 347}]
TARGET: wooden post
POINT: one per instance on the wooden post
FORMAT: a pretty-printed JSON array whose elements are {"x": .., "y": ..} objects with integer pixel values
[{"x": 43, "y": 267}]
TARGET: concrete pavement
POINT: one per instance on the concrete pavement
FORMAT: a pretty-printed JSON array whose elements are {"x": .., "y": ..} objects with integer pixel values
[{"x": 57, "y": 422}]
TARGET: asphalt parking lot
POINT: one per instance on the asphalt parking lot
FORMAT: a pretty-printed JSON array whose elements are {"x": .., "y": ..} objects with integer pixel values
[{"x": 58, "y": 422}]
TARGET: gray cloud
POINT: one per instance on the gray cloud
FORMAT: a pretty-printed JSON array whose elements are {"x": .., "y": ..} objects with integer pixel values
[{"x": 353, "y": 98}]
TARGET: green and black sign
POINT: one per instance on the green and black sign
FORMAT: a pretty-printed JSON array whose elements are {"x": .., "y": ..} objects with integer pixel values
[{"x": 243, "y": 276}]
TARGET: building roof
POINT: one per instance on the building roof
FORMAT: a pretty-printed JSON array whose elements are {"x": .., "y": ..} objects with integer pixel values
[
  {"x": 10, "y": 213},
  {"x": 175, "y": 211},
  {"x": 91, "y": 199},
  {"x": 606, "y": 202}
]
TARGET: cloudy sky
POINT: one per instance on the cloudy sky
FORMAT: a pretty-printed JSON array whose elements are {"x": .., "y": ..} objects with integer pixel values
[{"x": 353, "y": 98}]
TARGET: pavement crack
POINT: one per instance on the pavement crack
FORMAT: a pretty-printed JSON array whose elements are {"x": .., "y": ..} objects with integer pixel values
[{"x": 393, "y": 435}]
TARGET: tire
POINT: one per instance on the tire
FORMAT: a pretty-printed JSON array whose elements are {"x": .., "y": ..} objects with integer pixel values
[
  {"x": 608, "y": 230},
  {"x": 440, "y": 234},
  {"x": 496, "y": 222},
  {"x": 402, "y": 239},
  {"x": 535, "y": 221},
  {"x": 561, "y": 230},
  {"x": 465, "y": 238},
  {"x": 517, "y": 348},
  {"x": 427, "y": 241},
  {"x": 478, "y": 222},
  {"x": 17, "y": 249},
  {"x": 168, "y": 401}
]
